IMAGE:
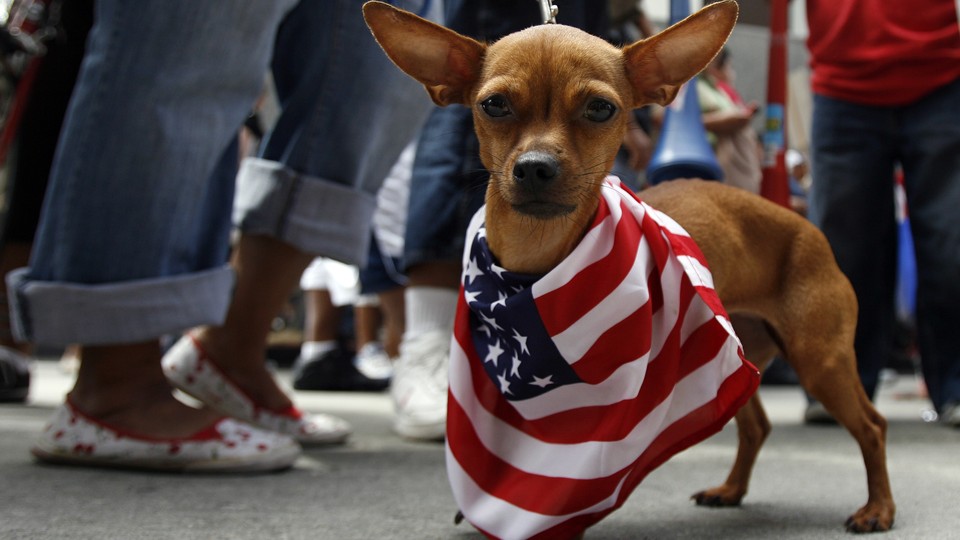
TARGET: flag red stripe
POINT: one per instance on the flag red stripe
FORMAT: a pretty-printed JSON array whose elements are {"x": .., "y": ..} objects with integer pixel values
[
  {"x": 684, "y": 245},
  {"x": 622, "y": 343}
]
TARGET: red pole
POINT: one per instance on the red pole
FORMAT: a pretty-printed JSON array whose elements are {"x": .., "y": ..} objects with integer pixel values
[{"x": 774, "y": 185}]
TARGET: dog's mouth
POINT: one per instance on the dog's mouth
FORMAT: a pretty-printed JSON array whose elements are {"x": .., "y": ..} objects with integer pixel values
[{"x": 541, "y": 209}]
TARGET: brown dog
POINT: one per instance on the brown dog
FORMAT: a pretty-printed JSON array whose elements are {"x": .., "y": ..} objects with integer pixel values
[{"x": 549, "y": 108}]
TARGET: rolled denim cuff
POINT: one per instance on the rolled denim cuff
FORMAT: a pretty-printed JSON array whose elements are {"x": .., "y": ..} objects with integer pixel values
[
  {"x": 311, "y": 214},
  {"x": 60, "y": 313}
]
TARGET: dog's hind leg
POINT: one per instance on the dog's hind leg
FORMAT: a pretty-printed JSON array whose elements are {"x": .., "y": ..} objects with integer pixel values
[{"x": 836, "y": 385}]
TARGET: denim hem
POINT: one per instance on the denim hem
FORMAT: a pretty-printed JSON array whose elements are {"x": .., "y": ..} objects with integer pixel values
[
  {"x": 60, "y": 313},
  {"x": 313, "y": 215}
]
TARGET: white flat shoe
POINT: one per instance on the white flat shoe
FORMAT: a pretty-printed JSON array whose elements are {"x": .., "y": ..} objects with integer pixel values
[
  {"x": 190, "y": 369},
  {"x": 226, "y": 446}
]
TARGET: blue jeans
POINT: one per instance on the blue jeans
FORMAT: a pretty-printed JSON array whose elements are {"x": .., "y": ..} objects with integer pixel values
[
  {"x": 855, "y": 150},
  {"x": 134, "y": 235},
  {"x": 347, "y": 113}
]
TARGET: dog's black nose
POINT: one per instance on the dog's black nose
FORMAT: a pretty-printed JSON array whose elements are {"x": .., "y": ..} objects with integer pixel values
[{"x": 534, "y": 170}]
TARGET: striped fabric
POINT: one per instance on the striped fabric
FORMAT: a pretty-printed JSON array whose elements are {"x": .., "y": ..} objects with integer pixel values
[{"x": 567, "y": 389}]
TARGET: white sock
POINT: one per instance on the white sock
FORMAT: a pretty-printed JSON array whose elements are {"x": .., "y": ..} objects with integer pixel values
[
  {"x": 429, "y": 308},
  {"x": 312, "y": 350}
]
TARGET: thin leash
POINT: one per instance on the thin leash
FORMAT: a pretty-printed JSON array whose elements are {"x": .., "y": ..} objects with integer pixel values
[{"x": 548, "y": 11}]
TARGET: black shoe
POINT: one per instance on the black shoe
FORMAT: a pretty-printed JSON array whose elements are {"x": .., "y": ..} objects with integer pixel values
[
  {"x": 816, "y": 414},
  {"x": 779, "y": 373},
  {"x": 14, "y": 376},
  {"x": 334, "y": 371},
  {"x": 950, "y": 415}
]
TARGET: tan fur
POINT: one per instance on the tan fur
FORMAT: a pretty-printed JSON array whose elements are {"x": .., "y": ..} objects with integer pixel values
[{"x": 773, "y": 270}]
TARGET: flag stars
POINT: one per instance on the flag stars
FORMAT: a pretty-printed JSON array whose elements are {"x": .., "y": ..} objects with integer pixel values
[
  {"x": 515, "y": 368},
  {"x": 501, "y": 302},
  {"x": 504, "y": 383},
  {"x": 494, "y": 352},
  {"x": 521, "y": 341},
  {"x": 471, "y": 296},
  {"x": 542, "y": 382},
  {"x": 491, "y": 321},
  {"x": 472, "y": 271},
  {"x": 498, "y": 270}
]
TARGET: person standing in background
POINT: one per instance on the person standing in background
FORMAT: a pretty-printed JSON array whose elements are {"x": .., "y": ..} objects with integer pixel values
[{"x": 886, "y": 83}]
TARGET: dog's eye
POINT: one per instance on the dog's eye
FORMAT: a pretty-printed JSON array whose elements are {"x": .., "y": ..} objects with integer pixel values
[
  {"x": 496, "y": 106},
  {"x": 599, "y": 110}
]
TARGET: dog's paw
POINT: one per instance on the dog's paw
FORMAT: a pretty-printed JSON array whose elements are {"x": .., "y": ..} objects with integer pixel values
[
  {"x": 873, "y": 517},
  {"x": 719, "y": 496}
]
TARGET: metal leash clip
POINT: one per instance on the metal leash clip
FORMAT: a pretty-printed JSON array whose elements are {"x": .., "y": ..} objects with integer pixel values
[{"x": 548, "y": 11}]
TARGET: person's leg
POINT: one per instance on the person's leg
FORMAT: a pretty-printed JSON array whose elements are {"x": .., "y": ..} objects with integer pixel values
[
  {"x": 367, "y": 322},
  {"x": 260, "y": 292},
  {"x": 931, "y": 163},
  {"x": 377, "y": 316},
  {"x": 346, "y": 114},
  {"x": 853, "y": 153},
  {"x": 128, "y": 248},
  {"x": 326, "y": 360},
  {"x": 446, "y": 188},
  {"x": 321, "y": 320},
  {"x": 392, "y": 314}
]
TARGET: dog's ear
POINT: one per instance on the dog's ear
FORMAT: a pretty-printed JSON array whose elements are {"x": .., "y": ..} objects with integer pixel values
[
  {"x": 659, "y": 65},
  {"x": 445, "y": 62}
]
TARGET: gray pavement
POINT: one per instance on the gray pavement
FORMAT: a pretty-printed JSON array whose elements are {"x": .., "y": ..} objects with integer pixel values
[{"x": 807, "y": 480}]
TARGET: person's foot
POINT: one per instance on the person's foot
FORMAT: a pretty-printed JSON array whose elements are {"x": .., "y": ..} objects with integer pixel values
[
  {"x": 245, "y": 367},
  {"x": 334, "y": 371},
  {"x": 419, "y": 388},
  {"x": 124, "y": 387},
  {"x": 153, "y": 412},
  {"x": 191, "y": 369}
]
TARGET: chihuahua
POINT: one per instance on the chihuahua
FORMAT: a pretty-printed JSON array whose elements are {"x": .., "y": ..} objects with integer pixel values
[{"x": 550, "y": 106}]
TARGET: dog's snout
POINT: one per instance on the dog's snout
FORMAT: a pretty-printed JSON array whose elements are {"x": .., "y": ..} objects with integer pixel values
[{"x": 535, "y": 169}]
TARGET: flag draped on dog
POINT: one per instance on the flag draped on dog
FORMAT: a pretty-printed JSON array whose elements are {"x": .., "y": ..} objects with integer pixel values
[{"x": 567, "y": 389}]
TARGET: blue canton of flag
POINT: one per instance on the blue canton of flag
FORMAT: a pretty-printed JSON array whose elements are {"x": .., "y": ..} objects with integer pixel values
[{"x": 518, "y": 354}]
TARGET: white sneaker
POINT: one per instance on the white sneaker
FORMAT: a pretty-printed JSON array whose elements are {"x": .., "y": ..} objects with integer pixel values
[
  {"x": 419, "y": 388},
  {"x": 372, "y": 361}
]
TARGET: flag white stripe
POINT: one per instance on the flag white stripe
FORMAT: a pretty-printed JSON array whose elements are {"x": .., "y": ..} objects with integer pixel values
[
  {"x": 666, "y": 317},
  {"x": 699, "y": 274},
  {"x": 623, "y": 301},
  {"x": 663, "y": 220}
]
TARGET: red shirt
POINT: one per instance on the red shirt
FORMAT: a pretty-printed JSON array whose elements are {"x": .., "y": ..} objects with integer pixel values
[{"x": 882, "y": 52}]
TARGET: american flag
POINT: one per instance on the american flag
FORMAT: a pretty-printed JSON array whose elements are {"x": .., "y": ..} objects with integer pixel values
[{"x": 567, "y": 389}]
